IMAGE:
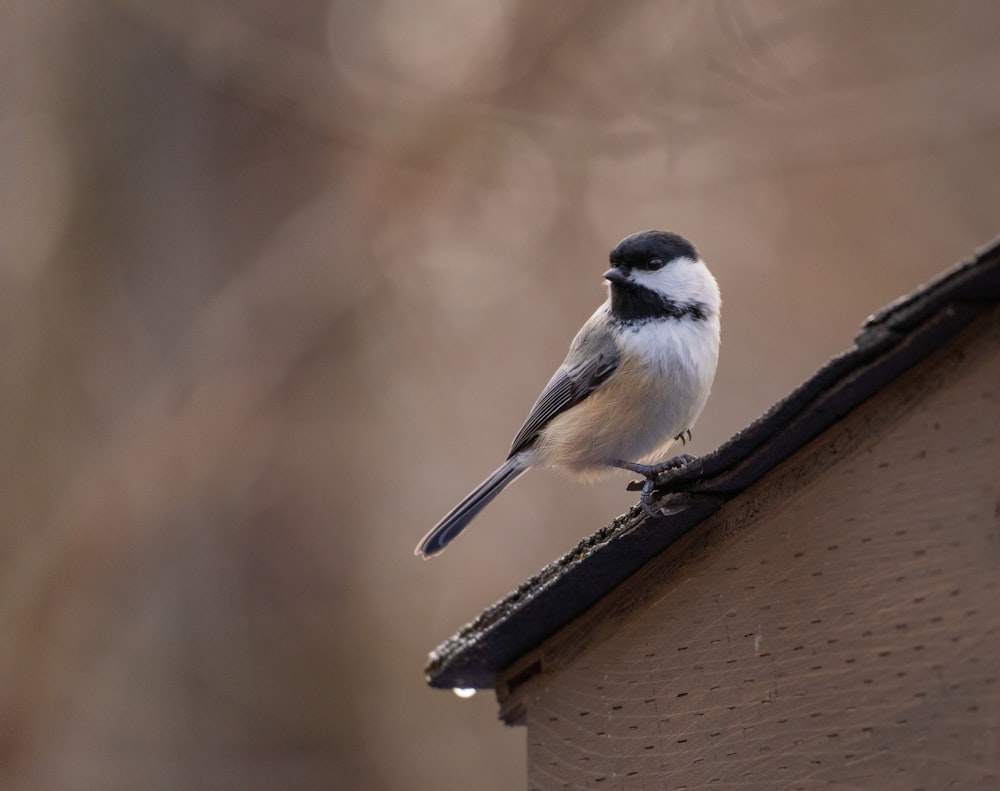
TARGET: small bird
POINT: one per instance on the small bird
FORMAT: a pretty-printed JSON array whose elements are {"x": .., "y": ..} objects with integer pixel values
[{"x": 635, "y": 379}]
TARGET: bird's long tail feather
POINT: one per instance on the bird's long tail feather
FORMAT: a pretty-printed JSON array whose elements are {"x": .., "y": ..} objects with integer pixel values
[{"x": 456, "y": 520}]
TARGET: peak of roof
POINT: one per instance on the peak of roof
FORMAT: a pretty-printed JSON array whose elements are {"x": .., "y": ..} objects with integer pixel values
[{"x": 890, "y": 342}]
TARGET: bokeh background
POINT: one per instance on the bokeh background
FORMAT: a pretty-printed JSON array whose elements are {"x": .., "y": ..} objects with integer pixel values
[{"x": 279, "y": 281}]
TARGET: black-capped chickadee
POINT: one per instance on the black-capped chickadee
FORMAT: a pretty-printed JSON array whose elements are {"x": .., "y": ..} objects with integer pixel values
[{"x": 635, "y": 379}]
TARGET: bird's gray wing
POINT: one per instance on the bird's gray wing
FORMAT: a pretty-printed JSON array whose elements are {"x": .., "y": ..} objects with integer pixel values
[{"x": 593, "y": 357}]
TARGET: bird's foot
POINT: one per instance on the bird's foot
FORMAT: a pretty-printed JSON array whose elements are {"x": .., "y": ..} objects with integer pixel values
[
  {"x": 646, "y": 497},
  {"x": 651, "y": 474},
  {"x": 684, "y": 436},
  {"x": 674, "y": 463}
]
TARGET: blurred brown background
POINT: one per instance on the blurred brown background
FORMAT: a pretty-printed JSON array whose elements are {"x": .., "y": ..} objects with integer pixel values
[{"x": 279, "y": 281}]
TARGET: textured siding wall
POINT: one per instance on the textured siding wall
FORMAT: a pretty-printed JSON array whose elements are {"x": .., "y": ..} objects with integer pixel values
[{"x": 838, "y": 624}]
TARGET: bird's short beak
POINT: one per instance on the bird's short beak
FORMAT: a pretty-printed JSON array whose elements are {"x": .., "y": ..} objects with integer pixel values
[{"x": 616, "y": 275}]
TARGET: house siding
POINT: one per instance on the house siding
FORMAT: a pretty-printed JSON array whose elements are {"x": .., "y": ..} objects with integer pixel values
[{"x": 839, "y": 622}]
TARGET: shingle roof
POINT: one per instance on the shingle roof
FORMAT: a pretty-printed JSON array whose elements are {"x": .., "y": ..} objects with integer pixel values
[{"x": 890, "y": 342}]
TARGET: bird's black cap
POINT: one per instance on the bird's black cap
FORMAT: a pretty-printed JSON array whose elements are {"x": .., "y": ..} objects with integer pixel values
[{"x": 636, "y": 251}]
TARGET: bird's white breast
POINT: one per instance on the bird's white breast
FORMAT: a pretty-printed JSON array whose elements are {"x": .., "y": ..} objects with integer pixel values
[
  {"x": 657, "y": 392},
  {"x": 679, "y": 358}
]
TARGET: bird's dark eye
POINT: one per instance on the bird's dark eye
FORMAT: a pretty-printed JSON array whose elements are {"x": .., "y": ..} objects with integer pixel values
[{"x": 655, "y": 263}]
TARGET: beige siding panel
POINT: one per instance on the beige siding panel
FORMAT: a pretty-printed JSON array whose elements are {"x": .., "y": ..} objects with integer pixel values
[{"x": 839, "y": 624}]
